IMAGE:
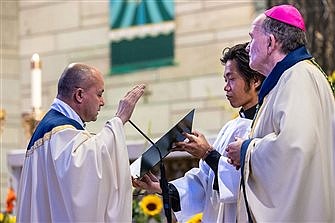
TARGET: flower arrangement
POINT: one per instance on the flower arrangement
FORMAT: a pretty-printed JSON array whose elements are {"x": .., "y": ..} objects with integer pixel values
[
  {"x": 196, "y": 218},
  {"x": 148, "y": 208}
]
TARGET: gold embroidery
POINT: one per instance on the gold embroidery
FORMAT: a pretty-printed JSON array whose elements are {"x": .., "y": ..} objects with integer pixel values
[
  {"x": 38, "y": 143},
  {"x": 88, "y": 135}
]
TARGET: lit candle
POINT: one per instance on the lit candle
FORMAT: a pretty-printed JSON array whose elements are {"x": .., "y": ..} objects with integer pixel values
[{"x": 36, "y": 83}]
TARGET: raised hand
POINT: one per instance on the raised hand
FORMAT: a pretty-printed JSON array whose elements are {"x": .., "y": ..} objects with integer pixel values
[{"x": 127, "y": 104}]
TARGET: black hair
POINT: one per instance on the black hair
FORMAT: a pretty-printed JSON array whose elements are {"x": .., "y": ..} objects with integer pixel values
[{"x": 239, "y": 54}]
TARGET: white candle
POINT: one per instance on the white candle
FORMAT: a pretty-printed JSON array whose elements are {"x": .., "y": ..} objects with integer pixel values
[{"x": 36, "y": 83}]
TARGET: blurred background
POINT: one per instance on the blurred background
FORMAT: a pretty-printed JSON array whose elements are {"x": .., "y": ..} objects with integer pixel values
[{"x": 172, "y": 46}]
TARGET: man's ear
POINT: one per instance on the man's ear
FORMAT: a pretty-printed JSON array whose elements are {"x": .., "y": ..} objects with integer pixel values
[
  {"x": 271, "y": 43},
  {"x": 78, "y": 95},
  {"x": 257, "y": 83}
]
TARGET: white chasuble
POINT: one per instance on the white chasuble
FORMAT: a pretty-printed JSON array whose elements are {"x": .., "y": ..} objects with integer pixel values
[
  {"x": 289, "y": 164},
  {"x": 70, "y": 175}
]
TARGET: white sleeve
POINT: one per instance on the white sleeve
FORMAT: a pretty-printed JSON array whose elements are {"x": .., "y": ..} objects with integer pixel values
[{"x": 192, "y": 192}]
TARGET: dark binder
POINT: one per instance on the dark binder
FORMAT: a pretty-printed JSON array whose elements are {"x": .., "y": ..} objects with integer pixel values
[{"x": 151, "y": 157}]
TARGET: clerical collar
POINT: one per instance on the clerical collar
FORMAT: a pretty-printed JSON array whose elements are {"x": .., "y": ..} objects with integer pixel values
[
  {"x": 249, "y": 113},
  {"x": 66, "y": 110}
]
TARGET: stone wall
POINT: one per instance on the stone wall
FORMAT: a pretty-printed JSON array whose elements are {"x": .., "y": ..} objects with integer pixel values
[
  {"x": 63, "y": 32},
  {"x": 11, "y": 132}
]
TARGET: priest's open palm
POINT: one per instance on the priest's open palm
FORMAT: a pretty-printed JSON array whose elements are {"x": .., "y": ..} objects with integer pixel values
[{"x": 127, "y": 104}]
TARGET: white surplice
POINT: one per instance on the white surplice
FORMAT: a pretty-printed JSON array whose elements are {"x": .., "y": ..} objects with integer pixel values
[
  {"x": 196, "y": 187},
  {"x": 71, "y": 175},
  {"x": 290, "y": 163}
]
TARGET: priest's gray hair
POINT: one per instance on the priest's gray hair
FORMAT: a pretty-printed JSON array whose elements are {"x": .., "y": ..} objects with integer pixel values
[
  {"x": 289, "y": 36},
  {"x": 75, "y": 75}
]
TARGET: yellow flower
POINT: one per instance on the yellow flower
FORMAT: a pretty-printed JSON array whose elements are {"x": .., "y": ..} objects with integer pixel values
[
  {"x": 151, "y": 205},
  {"x": 196, "y": 218},
  {"x": 12, "y": 219},
  {"x": 7, "y": 218},
  {"x": 331, "y": 77}
]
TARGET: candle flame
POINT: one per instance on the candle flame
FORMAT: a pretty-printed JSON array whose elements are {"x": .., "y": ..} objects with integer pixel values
[
  {"x": 35, "y": 57},
  {"x": 35, "y": 61}
]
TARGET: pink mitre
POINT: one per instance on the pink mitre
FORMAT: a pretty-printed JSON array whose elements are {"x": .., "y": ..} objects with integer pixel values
[{"x": 287, "y": 14}]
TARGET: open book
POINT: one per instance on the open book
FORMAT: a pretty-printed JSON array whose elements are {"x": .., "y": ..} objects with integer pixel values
[{"x": 151, "y": 157}]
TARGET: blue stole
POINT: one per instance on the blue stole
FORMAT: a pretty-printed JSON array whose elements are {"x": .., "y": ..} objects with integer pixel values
[
  {"x": 51, "y": 120},
  {"x": 269, "y": 83}
]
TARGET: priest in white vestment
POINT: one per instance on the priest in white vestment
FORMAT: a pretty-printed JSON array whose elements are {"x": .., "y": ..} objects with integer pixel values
[
  {"x": 288, "y": 163},
  {"x": 69, "y": 174}
]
